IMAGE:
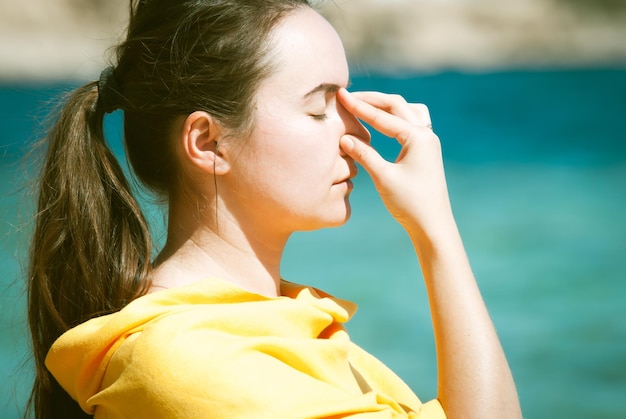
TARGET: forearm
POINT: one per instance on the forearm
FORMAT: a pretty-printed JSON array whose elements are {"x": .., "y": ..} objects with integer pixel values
[{"x": 474, "y": 377}]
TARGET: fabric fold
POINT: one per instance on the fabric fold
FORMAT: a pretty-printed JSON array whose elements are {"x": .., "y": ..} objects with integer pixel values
[{"x": 212, "y": 349}]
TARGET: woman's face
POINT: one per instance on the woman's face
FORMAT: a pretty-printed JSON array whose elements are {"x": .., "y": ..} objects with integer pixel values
[{"x": 291, "y": 175}]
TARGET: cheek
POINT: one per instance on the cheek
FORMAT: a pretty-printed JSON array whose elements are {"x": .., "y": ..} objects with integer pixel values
[
  {"x": 289, "y": 146},
  {"x": 306, "y": 144}
]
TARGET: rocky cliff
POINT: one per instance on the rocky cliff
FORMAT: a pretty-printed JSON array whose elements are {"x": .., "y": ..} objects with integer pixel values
[
  {"x": 68, "y": 39},
  {"x": 479, "y": 34}
]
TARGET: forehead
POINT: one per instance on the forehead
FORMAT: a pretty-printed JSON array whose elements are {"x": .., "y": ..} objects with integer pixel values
[{"x": 307, "y": 52}]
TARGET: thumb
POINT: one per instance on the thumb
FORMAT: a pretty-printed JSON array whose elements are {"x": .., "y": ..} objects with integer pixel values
[{"x": 364, "y": 154}]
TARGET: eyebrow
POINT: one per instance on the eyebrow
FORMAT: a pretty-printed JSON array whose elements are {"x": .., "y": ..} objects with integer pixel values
[{"x": 324, "y": 87}]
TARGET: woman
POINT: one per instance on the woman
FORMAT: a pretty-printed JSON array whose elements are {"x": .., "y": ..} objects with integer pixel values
[{"x": 237, "y": 113}]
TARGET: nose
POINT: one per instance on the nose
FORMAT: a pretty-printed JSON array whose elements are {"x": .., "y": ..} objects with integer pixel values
[{"x": 352, "y": 125}]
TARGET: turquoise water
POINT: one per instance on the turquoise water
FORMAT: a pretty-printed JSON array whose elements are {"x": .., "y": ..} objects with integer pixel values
[{"x": 536, "y": 166}]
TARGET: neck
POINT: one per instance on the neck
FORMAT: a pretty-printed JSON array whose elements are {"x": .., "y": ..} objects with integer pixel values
[{"x": 197, "y": 248}]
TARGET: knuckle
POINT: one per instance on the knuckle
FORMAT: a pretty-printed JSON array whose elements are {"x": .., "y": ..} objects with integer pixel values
[
  {"x": 405, "y": 135},
  {"x": 432, "y": 139},
  {"x": 397, "y": 99},
  {"x": 376, "y": 116},
  {"x": 420, "y": 107},
  {"x": 362, "y": 151}
]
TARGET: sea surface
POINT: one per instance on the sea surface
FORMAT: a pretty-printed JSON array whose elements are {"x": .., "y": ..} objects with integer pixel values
[{"x": 536, "y": 165}]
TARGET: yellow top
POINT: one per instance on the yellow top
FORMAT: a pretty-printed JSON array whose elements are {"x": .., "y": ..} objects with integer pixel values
[{"x": 214, "y": 350}]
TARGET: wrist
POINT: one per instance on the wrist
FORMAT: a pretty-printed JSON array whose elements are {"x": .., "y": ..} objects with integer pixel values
[{"x": 437, "y": 228}]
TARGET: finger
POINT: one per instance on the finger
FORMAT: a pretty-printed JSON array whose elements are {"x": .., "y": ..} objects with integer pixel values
[
  {"x": 423, "y": 114},
  {"x": 393, "y": 104},
  {"x": 364, "y": 154},
  {"x": 416, "y": 113},
  {"x": 388, "y": 124}
]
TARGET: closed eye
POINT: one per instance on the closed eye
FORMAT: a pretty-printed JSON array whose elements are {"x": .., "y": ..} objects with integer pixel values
[{"x": 319, "y": 117}]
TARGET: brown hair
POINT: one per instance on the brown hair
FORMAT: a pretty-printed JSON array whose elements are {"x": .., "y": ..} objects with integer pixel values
[{"x": 91, "y": 249}]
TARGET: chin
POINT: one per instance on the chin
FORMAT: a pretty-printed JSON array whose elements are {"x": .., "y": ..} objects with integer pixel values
[
  {"x": 347, "y": 214},
  {"x": 337, "y": 219},
  {"x": 340, "y": 218}
]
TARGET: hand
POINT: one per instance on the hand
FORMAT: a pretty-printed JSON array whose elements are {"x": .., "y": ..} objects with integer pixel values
[{"x": 413, "y": 188}]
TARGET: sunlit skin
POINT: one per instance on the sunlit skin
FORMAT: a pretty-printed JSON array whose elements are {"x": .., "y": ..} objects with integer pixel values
[
  {"x": 291, "y": 170},
  {"x": 292, "y": 174},
  {"x": 288, "y": 175}
]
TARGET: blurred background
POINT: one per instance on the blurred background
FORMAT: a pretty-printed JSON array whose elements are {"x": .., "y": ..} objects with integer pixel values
[{"x": 529, "y": 100}]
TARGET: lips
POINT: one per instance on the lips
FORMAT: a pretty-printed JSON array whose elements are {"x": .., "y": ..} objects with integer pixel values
[{"x": 351, "y": 175}]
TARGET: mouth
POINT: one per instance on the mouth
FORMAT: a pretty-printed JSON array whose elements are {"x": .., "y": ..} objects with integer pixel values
[
  {"x": 345, "y": 186},
  {"x": 348, "y": 179}
]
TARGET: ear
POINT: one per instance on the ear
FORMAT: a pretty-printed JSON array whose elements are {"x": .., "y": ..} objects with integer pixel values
[{"x": 200, "y": 138}]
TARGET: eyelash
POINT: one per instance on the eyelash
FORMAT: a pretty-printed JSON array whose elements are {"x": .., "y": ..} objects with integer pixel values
[{"x": 319, "y": 117}]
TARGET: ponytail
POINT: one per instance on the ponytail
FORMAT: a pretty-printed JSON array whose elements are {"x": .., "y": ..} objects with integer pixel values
[
  {"x": 90, "y": 252},
  {"x": 91, "y": 249}
]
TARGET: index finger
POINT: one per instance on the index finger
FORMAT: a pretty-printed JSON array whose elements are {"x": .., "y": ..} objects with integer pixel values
[
  {"x": 388, "y": 124},
  {"x": 414, "y": 113}
]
